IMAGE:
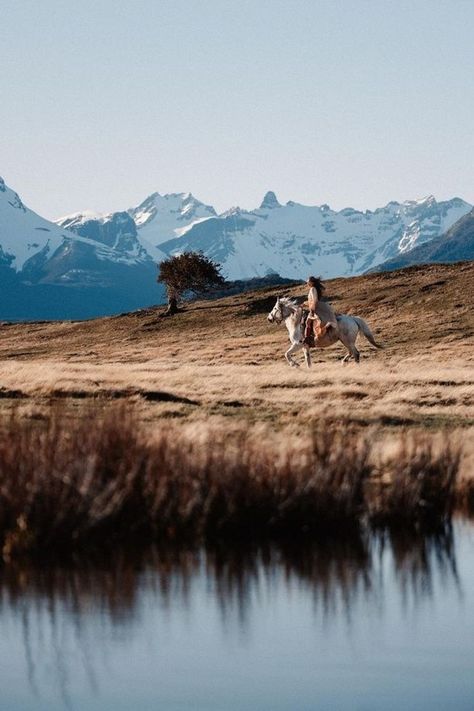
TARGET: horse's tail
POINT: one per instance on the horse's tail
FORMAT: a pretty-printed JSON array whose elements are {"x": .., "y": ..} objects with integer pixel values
[{"x": 363, "y": 326}]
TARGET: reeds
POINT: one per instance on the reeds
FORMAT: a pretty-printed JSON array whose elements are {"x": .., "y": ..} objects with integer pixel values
[
  {"x": 102, "y": 481},
  {"x": 422, "y": 483}
]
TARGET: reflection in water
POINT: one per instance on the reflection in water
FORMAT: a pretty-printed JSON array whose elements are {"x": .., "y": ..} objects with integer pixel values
[
  {"x": 62, "y": 609},
  {"x": 416, "y": 558}
]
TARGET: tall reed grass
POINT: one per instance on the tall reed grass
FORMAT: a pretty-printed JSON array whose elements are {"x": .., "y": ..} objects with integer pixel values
[{"x": 104, "y": 481}]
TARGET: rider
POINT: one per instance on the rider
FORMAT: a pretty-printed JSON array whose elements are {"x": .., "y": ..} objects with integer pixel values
[{"x": 321, "y": 318}]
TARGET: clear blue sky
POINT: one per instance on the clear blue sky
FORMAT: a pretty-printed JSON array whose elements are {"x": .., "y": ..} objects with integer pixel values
[{"x": 350, "y": 102}]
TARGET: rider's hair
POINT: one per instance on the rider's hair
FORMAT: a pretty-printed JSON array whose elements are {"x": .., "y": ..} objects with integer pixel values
[{"x": 318, "y": 285}]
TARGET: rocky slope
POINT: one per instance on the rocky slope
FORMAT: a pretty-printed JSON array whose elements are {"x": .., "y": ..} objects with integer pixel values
[{"x": 456, "y": 245}]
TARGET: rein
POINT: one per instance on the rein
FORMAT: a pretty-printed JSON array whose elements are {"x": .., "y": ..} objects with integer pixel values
[{"x": 293, "y": 311}]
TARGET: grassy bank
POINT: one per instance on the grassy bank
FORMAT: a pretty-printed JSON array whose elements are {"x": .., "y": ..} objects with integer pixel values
[{"x": 92, "y": 483}]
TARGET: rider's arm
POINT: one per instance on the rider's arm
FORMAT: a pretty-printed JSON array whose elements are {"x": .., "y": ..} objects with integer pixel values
[{"x": 312, "y": 300}]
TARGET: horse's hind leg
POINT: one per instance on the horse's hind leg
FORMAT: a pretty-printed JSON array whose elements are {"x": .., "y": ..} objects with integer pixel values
[
  {"x": 355, "y": 353},
  {"x": 307, "y": 357},
  {"x": 348, "y": 340}
]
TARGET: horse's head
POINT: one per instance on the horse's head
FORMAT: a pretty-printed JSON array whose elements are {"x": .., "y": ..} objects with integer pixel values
[{"x": 276, "y": 314}]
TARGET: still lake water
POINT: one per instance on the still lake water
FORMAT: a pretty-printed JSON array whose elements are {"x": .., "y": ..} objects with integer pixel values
[{"x": 373, "y": 625}]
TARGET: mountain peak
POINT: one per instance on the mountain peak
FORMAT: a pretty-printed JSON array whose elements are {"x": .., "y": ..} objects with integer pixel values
[
  {"x": 428, "y": 200},
  {"x": 270, "y": 201}
]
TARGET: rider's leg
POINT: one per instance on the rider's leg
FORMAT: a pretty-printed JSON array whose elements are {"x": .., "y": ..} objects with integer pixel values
[
  {"x": 304, "y": 322},
  {"x": 322, "y": 329},
  {"x": 309, "y": 332}
]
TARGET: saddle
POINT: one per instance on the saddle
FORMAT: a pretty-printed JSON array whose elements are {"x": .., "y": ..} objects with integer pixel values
[{"x": 313, "y": 329}]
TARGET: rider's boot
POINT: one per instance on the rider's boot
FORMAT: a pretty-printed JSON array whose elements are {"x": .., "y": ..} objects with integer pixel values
[{"x": 309, "y": 333}]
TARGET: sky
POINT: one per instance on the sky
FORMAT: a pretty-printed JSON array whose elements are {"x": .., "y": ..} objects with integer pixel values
[{"x": 347, "y": 102}]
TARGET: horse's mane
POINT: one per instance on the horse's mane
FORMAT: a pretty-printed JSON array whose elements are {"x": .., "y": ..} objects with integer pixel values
[{"x": 288, "y": 301}]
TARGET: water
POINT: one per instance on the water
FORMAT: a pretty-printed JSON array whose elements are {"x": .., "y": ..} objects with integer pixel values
[{"x": 367, "y": 625}]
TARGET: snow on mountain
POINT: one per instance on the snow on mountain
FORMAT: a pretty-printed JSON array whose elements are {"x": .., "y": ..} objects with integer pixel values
[
  {"x": 116, "y": 230},
  {"x": 23, "y": 233},
  {"x": 294, "y": 240},
  {"x": 291, "y": 239},
  {"x": 162, "y": 217},
  {"x": 455, "y": 245},
  {"x": 28, "y": 240},
  {"x": 96, "y": 266},
  {"x": 88, "y": 264}
]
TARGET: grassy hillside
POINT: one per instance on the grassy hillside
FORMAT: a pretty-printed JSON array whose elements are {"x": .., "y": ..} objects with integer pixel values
[
  {"x": 222, "y": 362},
  {"x": 216, "y": 438}
]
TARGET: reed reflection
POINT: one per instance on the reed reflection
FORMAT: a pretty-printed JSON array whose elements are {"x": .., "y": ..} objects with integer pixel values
[{"x": 88, "y": 607}]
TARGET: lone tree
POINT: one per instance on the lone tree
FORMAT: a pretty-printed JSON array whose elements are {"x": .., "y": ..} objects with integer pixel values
[{"x": 189, "y": 272}]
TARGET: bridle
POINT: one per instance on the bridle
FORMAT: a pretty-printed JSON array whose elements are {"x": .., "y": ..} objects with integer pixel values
[{"x": 277, "y": 315}]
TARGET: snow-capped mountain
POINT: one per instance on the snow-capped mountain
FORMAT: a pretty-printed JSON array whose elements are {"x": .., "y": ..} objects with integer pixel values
[
  {"x": 162, "y": 217},
  {"x": 47, "y": 271},
  {"x": 116, "y": 230},
  {"x": 24, "y": 235},
  {"x": 456, "y": 245},
  {"x": 139, "y": 231},
  {"x": 89, "y": 264},
  {"x": 294, "y": 240}
]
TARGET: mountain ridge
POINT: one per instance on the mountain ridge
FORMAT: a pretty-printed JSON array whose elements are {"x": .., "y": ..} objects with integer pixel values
[
  {"x": 86, "y": 263},
  {"x": 295, "y": 239}
]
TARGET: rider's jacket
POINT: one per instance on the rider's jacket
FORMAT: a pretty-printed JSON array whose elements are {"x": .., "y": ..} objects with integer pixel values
[{"x": 323, "y": 309}]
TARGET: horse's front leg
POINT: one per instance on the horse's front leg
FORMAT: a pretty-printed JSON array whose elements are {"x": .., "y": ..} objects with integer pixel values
[{"x": 291, "y": 350}]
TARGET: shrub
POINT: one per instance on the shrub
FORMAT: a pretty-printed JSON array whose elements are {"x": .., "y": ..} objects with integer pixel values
[{"x": 188, "y": 272}]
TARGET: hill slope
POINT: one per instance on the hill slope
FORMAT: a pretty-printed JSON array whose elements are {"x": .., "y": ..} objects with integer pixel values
[{"x": 221, "y": 361}]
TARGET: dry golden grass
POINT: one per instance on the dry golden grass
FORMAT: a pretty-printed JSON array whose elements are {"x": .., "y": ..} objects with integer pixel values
[
  {"x": 224, "y": 431},
  {"x": 220, "y": 364},
  {"x": 68, "y": 487}
]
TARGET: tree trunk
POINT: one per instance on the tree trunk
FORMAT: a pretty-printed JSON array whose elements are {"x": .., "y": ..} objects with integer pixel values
[{"x": 172, "y": 306}]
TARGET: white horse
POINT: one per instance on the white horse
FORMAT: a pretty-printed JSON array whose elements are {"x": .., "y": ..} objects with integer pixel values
[{"x": 348, "y": 328}]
